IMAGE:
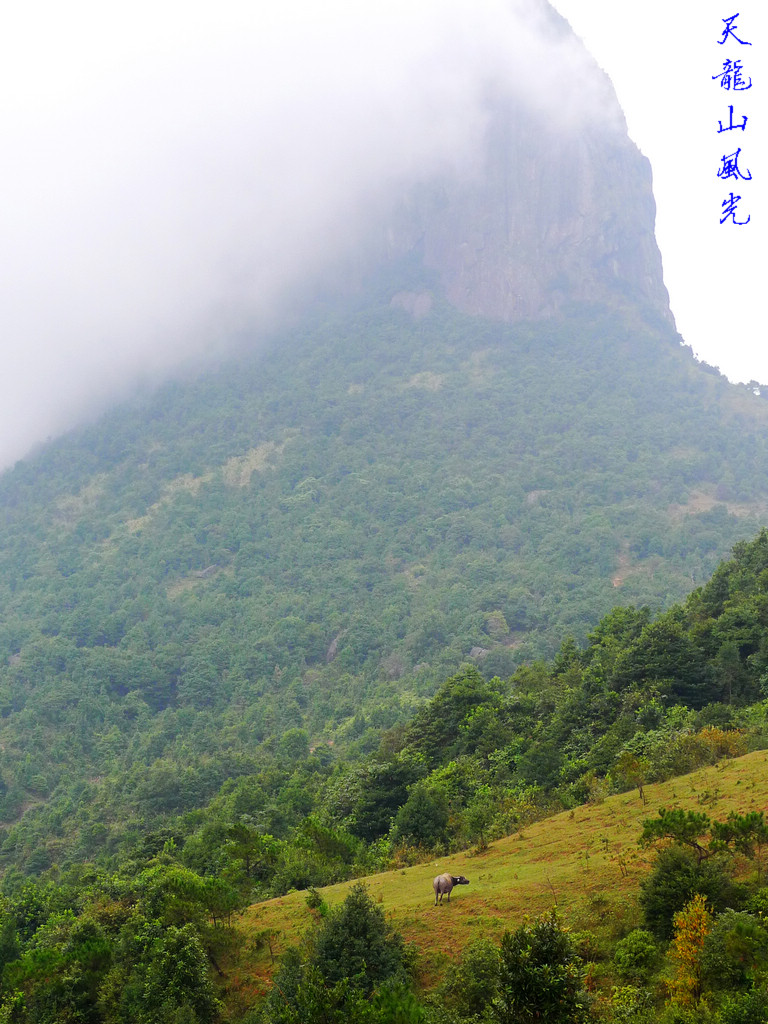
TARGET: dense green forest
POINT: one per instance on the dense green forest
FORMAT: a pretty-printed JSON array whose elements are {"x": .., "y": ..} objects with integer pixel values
[
  {"x": 314, "y": 536},
  {"x": 137, "y": 937}
]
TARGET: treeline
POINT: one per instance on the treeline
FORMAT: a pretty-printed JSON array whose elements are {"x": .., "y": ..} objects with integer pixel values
[
  {"x": 699, "y": 956},
  {"x": 237, "y": 617},
  {"x": 127, "y": 949},
  {"x": 643, "y": 699}
]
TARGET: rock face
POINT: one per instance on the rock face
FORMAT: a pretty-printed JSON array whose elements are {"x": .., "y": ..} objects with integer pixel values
[{"x": 555, "y": 209}]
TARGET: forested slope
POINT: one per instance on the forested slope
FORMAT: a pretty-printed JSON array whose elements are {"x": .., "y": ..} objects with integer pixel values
[
  {"x": 313, "y": 537},
  {"x": 130, "y": 919}
]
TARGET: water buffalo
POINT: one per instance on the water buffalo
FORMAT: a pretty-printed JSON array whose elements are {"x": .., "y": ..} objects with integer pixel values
[{"x": 444, "y": 883}]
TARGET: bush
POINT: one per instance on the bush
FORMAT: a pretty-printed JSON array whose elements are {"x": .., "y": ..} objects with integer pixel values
[
  {"x": 395, "y": 1004},
  {"x": 540, "y": 976},
  {"x": 313, "y": 1000},
  {"x": 355, "y": 942},
  {"x": 757, "y": 904},
  {"x": 474, "y": 982},
  {"x": 588, "y": 946},
  {"x": 674, "y": 1014},
  {"x": 636, "y": 956},
  {"x": 423, "y": 818},
  {"x": 692, "y": 925},
  {"x": 354, "y": 955},
  {"x": 315, "y": 901},
  {"x": 676, "y": 878},
  {"x": 735, "y": 949},
  {"x": 745, "y": 1008},
  {"x": 631, "y": 1005}
]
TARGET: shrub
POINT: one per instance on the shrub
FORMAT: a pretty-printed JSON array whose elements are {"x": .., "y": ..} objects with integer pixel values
[
  {"x": 674, "y": 1014},
  {"x": 676, "y": 878},
  {"x": 692, "y": 925},
  {"x": 313, "y": 899},
  {"x": 474, "y": 982},
  {"x": 423, "y": 818},
  {"x": 631, "y": 1005},
  {"x": 745, "y": 1008},
  {"x": 540, "y": 976},
  {"x": 636, "y": 956},
  {"x": 735, "y": 950},
  {"x": 758, "y": 904},
  {"x": 355, "y": 942},
  {"x": 353, "y": 956}
]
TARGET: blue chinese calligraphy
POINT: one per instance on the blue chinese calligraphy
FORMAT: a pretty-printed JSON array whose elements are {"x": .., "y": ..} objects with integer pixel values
[
  {"x": 729, "y": 30},
  {"x": 730, "y": 167},
  {"x": 733, "y": 78},
  {"x": 730, "y": 126},
  {"x": 729, "y": 207}
]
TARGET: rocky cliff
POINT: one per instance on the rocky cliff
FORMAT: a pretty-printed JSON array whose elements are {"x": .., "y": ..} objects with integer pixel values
[{"x": 557, "y": 206}]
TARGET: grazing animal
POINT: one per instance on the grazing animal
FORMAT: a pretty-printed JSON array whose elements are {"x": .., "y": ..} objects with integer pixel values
[{"x": 444, "y": 883}]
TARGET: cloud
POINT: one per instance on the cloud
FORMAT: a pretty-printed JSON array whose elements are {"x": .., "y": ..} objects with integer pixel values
[{"x": 170, "y": 169}]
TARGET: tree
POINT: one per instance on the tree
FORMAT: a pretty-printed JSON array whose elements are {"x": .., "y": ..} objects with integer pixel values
[
  {"x": 746, "y": 834},
  {"x": 353, "y": 958},
  {"x": 251, "y": 853},
  {"x": 383, "y": 791},
  {"x": 616, "y": 630},
  {"x": 665, "y": 654},
  {"x": 735, "y": 951},
  {"x": 177, "y": 978},
  {"x": 394, "y": 1003},
  {"x": 293, "y": 745},
  {"x": 686, "y": 828},
  {"x": 745, "y": 1008},
  {"x": 692, "y": 925},
  {"x": 59, "y": 975},
  {"x": 436, "y": 728},
  {"x": 355, "y": 942},
  {"x": 478, "y": 816},
  {"x": 632, "y": 770},
  {"x": 677, "y": 876},
  {"x": 540, "y": 976},
  {"x": 311, "y": 1000},
  {"x": 423, "y": 818},
  {"x": 472, "y": 984},
  {"x": 636, "y": 956}
]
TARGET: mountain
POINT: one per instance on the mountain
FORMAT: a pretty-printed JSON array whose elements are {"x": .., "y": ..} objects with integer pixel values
[
  {"x": 553, "y": 206},
  {"x": 316, "y": 537},
  {"x": 345, "y": 601},
  {"x": 480, "y": 440},
  {"x": 552, "y": 215}
]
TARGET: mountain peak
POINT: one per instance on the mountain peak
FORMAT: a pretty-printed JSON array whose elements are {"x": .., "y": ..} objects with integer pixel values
[{"x": 556, "y": 206}]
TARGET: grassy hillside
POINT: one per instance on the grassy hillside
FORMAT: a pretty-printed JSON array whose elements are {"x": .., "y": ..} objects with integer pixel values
[{"x": 586, "y": 861}]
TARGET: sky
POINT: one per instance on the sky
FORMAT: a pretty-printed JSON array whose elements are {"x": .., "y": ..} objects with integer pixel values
[
  {"x": 660, "y": 56},
  {"x": 168, "y": 169}
]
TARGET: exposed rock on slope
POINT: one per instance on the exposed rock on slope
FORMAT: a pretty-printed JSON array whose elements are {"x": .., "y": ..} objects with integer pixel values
[{"x": 557, "y": 206}]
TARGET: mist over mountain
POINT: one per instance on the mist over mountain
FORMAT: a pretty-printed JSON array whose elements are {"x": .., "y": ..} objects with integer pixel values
[{"x": 176, "y": 190}]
